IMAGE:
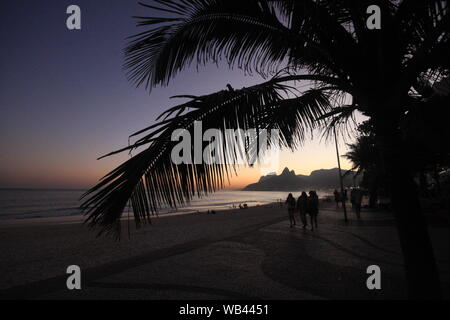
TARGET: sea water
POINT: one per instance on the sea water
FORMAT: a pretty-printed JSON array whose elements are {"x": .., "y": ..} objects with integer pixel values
[{"x": 36, "y": 203}]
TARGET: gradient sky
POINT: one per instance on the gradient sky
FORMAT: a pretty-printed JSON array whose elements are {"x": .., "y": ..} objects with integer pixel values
[{"x": 65, "y": 100}]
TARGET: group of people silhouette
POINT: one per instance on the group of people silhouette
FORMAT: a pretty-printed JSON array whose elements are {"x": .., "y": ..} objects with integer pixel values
[
  {"x": 305, "y": 205},
  {"x": 356, "y": 196}
]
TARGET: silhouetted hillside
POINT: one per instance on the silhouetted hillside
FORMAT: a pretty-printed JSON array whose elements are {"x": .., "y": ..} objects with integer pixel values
[{"x": 288, "y": 180}]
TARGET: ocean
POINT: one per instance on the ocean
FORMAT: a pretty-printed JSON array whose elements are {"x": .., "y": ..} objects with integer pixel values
[{"x": 40, "y": 203}]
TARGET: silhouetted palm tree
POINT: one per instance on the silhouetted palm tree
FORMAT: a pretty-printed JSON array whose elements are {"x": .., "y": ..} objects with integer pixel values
[
  {"x": 427, "y": 134},
  {"x": 324, "y": 44},
  {"x": 365, "y": 158}
]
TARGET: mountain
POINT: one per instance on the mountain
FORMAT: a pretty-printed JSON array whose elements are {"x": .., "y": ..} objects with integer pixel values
[{"x": 288, "y": 181}]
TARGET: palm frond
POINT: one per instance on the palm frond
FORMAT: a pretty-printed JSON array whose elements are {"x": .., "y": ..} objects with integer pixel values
[
  {"x": 150, "y": 179},
  {"x": 249, "y": 36},
  {"x": 352, "y": 171},
  {"x": 256, "y": 36},
  {"x": 427, "y": 26},
  {"x": 342, "y": 120}
]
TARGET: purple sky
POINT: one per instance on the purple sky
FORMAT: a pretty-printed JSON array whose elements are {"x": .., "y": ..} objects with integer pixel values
[{"x": 64, "y": 97}]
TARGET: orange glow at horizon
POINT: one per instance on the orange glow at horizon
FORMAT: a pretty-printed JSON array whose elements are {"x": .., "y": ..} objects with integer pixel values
[
  {"x": 311, "y": 156},
  {"x": 73, "y": 173}
]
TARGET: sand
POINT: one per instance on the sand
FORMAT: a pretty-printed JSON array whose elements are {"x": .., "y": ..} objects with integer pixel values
[
  {"x": 36, "y": 249},
  {"x": 233, "y": 254}
]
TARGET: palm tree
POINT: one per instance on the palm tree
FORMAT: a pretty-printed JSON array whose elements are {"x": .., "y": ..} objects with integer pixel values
[
  {"x": 425, "y": 135},
  {"x": 365, "y": 158},
  {"x": 320, "y": 43}
]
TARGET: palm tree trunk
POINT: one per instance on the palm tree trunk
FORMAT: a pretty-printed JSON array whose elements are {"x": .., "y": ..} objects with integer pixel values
[{"x": 421, "y": 269}]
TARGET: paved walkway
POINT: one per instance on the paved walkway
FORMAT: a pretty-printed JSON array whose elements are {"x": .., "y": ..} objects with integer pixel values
[{"x": 260, "y": 261}]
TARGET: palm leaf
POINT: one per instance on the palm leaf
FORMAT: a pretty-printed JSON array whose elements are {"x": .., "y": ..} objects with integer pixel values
[
  {"x": 247, "y": 35},
  {"x": 150, "y": 179},
  {"x": 255, "y": 36}
]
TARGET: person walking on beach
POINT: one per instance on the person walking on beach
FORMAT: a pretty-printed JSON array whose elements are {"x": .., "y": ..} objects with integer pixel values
[
  {"x": 313, "y": 208},
  {"x": 290, "y": 201},
  {"x": 302, "y": 207},
  {"x": 356, "y": 198},
  {"x": 337, "y": 198}
]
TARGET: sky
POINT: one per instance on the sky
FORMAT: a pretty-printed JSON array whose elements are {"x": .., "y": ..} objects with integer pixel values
[{"x": 65, "y": 99}]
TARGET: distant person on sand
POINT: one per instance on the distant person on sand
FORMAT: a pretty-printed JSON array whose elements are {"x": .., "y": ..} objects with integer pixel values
[
  {"x": 313, "y": 208},
  {"x": 302, "y": 207},
  {"x": 290, "y": 201},
  {"x": 356, "y": 199},
  {"x": 337, "y": 197}
]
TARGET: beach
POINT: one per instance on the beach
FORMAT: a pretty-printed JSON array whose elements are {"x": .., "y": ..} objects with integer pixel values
[
  {"x": 238, "y": 254},
  {"x": 39, "y": 248}
]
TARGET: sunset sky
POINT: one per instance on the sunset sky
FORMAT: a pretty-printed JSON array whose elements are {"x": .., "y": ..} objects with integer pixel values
[{"x": 65, "y": 99}]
